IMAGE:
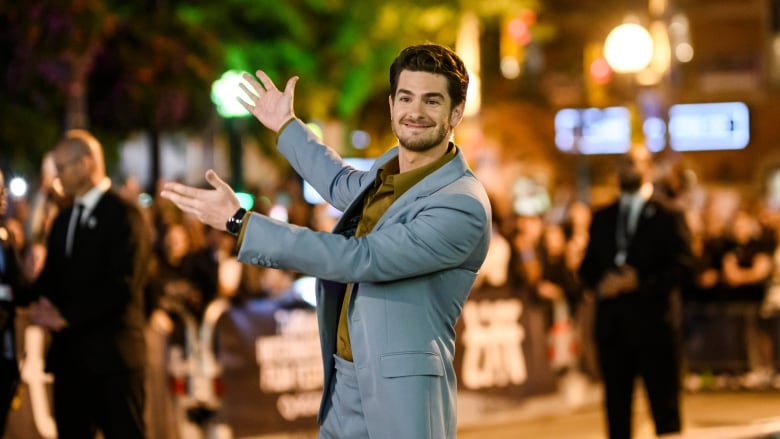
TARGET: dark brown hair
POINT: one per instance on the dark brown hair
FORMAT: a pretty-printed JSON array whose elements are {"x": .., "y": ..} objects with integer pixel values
[{"x": 433, "y": 58}]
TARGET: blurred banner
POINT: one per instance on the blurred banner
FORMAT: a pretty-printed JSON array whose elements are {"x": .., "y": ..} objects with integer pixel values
[
  {"x": 271, "y": 372},
  {"x": 271, "y": 368},
  {"x": 502, "y": 345}
]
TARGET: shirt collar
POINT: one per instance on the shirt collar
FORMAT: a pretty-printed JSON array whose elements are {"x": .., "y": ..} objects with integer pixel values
[
  {"x": 90, "y": 199},
  {"x": 640, "y": 196},
  {"x": 405, "y": 180}
]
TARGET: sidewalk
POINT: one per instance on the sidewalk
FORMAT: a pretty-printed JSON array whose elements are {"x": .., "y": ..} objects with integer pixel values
[{"x": 706, "y": 415}]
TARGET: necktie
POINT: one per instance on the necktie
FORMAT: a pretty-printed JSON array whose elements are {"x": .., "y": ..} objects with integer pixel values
[
  {"x": 75, "y": 217},
  {"x": 622, "y": 233}
]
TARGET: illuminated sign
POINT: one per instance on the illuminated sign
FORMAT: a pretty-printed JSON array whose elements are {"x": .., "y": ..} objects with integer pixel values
[
  {"x": 692, "y": 127},
  {"x": 712, "y": 126},
  {"x": 593, "y": 130}
]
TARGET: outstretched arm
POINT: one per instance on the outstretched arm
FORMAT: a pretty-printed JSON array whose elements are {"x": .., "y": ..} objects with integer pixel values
[
  {"x": 273, "y": 108},
  {"x": 209, "y": 206}
]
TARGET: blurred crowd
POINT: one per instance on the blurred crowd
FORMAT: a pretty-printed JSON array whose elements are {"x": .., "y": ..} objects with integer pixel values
[
  {"x": 192, "y": 265},
  {"x": 730, "y": 314}
]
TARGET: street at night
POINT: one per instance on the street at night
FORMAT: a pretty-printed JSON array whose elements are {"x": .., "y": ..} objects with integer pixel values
[
  {"x": 706, "y": 415},
  {"x": 405, "y": 219}
]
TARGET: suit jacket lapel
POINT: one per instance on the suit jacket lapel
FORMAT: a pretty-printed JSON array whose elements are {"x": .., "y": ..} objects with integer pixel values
[
  {"x": 441, "y": 177},
  {"x": 84, "y": 233},
  {"x": 348, "y": 222}
]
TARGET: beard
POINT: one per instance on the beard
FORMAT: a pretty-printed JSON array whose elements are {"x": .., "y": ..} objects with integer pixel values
[{"x": 422, "y": 142}]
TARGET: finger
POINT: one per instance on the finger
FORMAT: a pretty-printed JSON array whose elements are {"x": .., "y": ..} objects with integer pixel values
[
  {"x": 252, "y": 95},
  {"x": 256, "y": 86},
  {"x": 249, "y": 107},
  {"x": 184, "y": 203},
  {"x": 182, "y": 189},
  {"x": 217, "y": 183},
  {"x": 289, "y": 89},
  {"x": 267, "y": 83}
]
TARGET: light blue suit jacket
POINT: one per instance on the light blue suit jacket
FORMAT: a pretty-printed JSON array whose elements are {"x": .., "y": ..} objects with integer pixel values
[{"x": 414, "y": 270}]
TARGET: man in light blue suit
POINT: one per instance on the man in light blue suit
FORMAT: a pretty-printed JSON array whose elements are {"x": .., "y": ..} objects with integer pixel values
[{"x": 397, "y": 268}]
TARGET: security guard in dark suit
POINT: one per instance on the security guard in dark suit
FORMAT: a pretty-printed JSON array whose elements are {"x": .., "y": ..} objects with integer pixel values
[
  {"x": 91, "y": 299},
  {"x": 637, "y": 259}
]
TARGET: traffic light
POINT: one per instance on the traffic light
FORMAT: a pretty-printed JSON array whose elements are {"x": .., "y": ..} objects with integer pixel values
[
  {"x": 598, "y": 75},
  {"x": 516, "y": 34}
]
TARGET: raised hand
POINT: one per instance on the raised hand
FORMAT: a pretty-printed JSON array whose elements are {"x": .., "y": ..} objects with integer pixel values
[
  {"x": 209, "y": 206},
  {"x": 270, "y": 106}
]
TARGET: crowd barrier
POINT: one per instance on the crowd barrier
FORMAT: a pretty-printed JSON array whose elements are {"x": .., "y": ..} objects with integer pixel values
[
  {"x": 717, "y": 337},
  {"x": 255, "y": 369}
]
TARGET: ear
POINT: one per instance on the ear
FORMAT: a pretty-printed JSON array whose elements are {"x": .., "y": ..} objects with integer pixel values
[
  {"x": 87, "y": 161},
  {"x": 457, "y": 114},
  {"x": 390, "y": 101}
]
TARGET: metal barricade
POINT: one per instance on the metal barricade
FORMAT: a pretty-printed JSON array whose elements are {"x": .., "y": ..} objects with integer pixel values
[{"x": 195, "y": 373}]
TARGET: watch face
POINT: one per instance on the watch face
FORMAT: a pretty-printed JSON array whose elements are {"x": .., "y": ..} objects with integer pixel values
[{"x": 233, "y": 224}]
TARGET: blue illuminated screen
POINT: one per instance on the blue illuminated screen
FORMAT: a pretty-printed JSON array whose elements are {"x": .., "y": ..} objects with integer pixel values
[
  {"x": 707, "y": 127},
  {"x": 593, "y": 130}
]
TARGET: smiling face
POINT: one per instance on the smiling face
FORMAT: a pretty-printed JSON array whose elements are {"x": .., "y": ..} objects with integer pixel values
[{"x": 421, "y": 111}]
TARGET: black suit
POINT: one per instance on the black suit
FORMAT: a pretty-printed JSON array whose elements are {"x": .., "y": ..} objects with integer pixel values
[
  {"x": 637, "y": 332},
  {"x": 98, "y": 358},
  {"x": 14, "y": 293}
]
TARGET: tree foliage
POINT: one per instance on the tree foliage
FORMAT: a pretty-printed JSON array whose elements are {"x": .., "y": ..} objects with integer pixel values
[
  {"x": 154, "y": 72},
  {"x": 149, "y": 64},
  {"x": 46, "y": 40},
  {"x": 108, "y": 65}
]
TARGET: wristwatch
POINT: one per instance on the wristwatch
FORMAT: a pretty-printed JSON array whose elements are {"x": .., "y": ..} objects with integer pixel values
[{"x": 233, "y": 224}]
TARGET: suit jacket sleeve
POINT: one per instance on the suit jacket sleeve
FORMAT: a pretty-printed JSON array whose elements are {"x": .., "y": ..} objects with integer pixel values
[
  {"x": 335, "y": 181},
  {"x": 442, "y": 235},
  {"x": 672, "y": 266},
  {"x": 660, "y": 250},
  {"x": 105, "y": 276},
  {"x": 429, "y": 234},
  {"x": 47, "y": 282}
]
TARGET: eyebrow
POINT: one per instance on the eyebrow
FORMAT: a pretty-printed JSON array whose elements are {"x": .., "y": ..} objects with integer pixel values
[{"x": 433, "y": 94}]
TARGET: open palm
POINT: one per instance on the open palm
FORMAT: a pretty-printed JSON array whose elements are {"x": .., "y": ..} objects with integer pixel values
[
  {"x": 210, "y": 206},
  {"x": 272, "y": 107}
]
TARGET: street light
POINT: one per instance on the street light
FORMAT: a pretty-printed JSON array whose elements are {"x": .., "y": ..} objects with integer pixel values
[
  {"x": 628, "y": 48},
  {"x": 224, "y": 94},
  {"x": 631, "y": 49}
]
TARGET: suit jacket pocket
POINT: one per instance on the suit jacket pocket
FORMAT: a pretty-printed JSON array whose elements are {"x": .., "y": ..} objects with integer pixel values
[{"x": 402, "y": 364}]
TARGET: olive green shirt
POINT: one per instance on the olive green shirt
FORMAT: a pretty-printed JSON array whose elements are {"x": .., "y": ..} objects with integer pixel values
[{"x": 389, "y": 185}]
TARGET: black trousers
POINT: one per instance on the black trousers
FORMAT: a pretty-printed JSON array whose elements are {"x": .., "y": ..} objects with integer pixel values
[
  {"x": 656, "y": 359},
  {"x": 86, "y": 402}
]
